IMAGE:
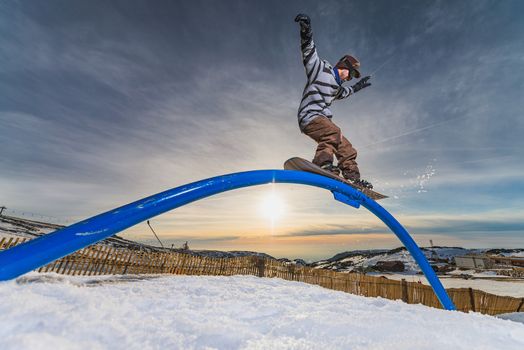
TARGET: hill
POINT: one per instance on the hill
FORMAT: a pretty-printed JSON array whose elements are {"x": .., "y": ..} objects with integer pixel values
[{"x": 11, "y": 226}]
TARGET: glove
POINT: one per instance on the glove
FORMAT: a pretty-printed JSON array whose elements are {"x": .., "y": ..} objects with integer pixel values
[
  {"x": 362, "y": 83},
  {"x": 304, "y": 21}
]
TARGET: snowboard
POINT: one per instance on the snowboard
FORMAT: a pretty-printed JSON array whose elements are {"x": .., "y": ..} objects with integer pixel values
[{"x": 297, "y": 163}]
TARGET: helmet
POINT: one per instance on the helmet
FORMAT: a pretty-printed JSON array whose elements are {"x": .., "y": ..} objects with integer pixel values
[{"x": 350, "y": 63}]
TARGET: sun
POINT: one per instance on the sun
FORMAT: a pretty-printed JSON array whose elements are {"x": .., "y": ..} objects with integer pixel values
[{"x": 272, "y": 206}]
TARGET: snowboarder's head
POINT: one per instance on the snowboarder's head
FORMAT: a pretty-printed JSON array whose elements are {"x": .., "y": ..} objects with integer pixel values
[{"x": 348, "y": 67}]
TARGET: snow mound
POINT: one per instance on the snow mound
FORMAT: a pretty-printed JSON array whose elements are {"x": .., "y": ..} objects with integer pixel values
[{"x": 48, "y": 311}]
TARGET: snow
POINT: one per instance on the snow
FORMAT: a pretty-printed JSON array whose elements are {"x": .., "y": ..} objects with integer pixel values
[
  {"x": 349, "y": 261},
  {"x": 450, "y": 252},
  {"x": 424, "y": 178},
  {"x": 475, "y": 273},
  {"x": 515, "y": 254},
  {"x": 513, "y": 316},
  {"x": 49, "y": 311}
]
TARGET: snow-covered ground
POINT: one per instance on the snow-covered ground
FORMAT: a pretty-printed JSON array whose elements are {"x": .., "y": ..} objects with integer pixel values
[{"x": 49, "y": 311}]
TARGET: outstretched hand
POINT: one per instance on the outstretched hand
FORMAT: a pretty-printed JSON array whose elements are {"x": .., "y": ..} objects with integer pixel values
[
  {"x": 304, "y": 21},
  {"x": 362, "y": 83}
]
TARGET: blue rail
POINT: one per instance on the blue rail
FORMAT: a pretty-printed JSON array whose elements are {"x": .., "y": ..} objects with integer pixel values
[{"x": 45, "y": 249}]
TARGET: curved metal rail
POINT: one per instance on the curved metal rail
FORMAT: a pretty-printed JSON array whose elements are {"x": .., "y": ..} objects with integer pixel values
[{"x": 45, "y": 249}]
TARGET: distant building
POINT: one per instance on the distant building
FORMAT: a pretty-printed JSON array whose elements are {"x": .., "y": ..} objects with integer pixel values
[{"x": 473, "y": 262}]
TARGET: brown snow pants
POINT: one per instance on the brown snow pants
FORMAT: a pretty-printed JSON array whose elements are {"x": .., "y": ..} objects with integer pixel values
[{"x": 331, "y": 142}]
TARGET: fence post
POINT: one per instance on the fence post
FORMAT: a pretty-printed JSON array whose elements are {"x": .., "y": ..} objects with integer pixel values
[
  {"x": 404, "y": 289},
  {"x": 472, "y": 299},
  {"x": 521, "y": 305},
  {"x": 261, "y": 266}
]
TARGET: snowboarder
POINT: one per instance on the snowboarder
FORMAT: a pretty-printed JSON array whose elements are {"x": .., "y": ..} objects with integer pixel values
[{"x": 324, "y": 85}]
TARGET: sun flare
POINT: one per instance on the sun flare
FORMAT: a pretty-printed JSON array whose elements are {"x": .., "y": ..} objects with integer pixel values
[{"x": 272, "y": 206}]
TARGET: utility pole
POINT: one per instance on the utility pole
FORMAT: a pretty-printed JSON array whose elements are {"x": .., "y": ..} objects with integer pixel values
[{"x": 158, "y": 239}]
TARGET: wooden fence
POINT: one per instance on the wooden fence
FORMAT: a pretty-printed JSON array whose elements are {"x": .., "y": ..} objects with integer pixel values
[{"x": 106, "y": 260}]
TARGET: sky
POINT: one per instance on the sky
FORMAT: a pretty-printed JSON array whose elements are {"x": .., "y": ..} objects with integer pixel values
[{"x": 106, "y": 102}]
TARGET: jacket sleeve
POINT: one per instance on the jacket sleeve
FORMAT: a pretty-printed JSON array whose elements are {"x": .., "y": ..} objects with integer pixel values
[
  {"x": 344, "y": 92},
  {"x": 309, "y": 53}
]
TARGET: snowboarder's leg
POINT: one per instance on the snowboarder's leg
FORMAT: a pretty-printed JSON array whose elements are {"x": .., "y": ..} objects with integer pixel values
[
  {"x": 347, "y": 155},
  {"x": 327, "y": 135}
]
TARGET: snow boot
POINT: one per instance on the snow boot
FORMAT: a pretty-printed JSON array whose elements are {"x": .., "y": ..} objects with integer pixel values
[
  {"x": 355, "y": 179},
  {"x": 331, "y": 168}
]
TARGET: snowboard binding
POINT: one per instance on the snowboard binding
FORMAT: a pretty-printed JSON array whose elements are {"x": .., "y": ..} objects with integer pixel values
[
  {"x": 362, "y": 183},
  {"x": 356, "y": 180}
]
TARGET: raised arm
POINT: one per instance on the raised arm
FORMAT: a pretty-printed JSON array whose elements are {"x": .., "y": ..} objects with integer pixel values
[{"x": 309, "y": 51}]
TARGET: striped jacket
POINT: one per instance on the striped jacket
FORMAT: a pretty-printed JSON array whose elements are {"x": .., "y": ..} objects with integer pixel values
[{"x": 321, "y": 88}]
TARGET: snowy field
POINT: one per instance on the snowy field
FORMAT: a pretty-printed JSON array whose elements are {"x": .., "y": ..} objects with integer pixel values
[{"x": 240, "y": 312}]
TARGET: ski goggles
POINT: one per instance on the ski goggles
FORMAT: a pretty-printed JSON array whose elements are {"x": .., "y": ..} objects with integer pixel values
[
  {"x": 353, "y": 73},
  {"x": 351, "y": 64}
]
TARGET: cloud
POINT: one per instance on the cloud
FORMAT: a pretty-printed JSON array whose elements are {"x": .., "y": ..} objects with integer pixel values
[
  {"x": 331, "y": 230},
  {"x": 460, "y": 225},
  {"x": 192, "y": 239}
]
